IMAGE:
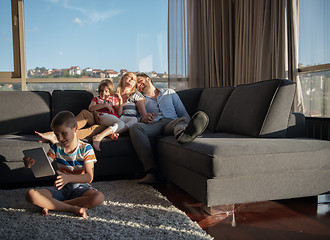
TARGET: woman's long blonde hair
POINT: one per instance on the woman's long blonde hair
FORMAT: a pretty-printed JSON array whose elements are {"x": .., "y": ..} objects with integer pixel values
[{"x": 120, "y": 83}]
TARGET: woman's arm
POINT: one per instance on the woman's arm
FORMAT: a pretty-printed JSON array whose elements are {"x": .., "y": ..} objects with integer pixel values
[
  {"x": 140, "y": 104},
  {"x": 119, "y": 105},
  {"x": 147, "y": 118}
]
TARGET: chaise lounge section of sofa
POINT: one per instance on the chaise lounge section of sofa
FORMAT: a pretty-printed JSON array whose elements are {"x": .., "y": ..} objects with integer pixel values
[{"x": 253, "y": 149}]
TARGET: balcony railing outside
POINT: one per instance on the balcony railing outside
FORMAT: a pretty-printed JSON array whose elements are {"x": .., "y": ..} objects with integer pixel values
[
  {"x": 316, "y": 93},
  {"x": 50, "y": 85}
]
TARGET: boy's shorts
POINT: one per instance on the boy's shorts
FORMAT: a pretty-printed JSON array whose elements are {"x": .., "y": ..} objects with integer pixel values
[{"x": 69, "y": 191}]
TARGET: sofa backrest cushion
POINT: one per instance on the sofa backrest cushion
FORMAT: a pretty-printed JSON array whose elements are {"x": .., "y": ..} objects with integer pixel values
[
  {"x": 212, "y": 102},
  {"x": 276, "y": 122},
  {"x": 24, "y": 112},
  {"x": 71, "y": 100},
  {"x": 259, "y": 109},
  {"x": 190, "y": 98}
]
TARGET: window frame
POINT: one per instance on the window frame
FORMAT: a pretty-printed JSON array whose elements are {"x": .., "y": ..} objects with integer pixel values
[
  {"x": 18, "y": 46},
  {"x": 315, "y": 68}
]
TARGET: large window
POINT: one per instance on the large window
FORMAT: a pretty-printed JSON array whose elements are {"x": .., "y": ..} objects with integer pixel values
[
  {"x": 314, "y": 56},
  {"x": 94, "y": 39},
  {"x": 74, "y": 44}
]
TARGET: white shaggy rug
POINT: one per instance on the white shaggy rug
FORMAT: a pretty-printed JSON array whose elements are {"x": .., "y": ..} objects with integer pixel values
[{"x": 130, "y": 211}]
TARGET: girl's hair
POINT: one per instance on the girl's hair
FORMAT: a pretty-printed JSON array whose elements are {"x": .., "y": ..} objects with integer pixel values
[
  {"x": 107, "y": 83},
  {"x": 120, "y": 83},
  {"x": 65, "y": 118}
]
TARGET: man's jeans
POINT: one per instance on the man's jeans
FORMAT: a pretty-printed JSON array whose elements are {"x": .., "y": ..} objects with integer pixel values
[{"x": 141, "y": 134}]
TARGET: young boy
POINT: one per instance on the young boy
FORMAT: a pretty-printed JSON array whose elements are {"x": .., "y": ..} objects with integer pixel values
[{"x": 75, "y": 160}]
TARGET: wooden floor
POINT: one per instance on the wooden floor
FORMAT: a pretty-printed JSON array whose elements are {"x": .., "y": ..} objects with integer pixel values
[{"x": 301, "y": 218}]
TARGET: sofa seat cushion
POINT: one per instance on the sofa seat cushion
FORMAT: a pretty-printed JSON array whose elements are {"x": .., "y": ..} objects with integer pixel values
[
  {"x": 117, "y": 157},
  {"x": 218, "y": 155},
  {"x": 121, "y": 147},
  {"x": 12, "y": 146},
  {"x": 11, "y": 158}
]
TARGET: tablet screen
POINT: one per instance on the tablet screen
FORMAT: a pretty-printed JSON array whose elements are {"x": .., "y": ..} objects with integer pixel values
[{"x": 42, "y": 167}]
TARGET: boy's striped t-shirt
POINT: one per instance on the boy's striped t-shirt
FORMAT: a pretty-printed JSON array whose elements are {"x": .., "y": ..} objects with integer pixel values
[{"x": 73, "y": 163}]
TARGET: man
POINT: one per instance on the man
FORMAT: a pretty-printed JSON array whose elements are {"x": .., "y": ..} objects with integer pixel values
[{"x": 166, "y": 114}]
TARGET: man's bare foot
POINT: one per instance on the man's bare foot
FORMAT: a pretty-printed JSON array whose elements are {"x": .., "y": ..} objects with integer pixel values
[
  {"x": 96, "y": 142},
  {"x": 50, "y": 136},
  {"x": 44, "y": 211},
  {"x": 114, "y": 136},
  {"x": 81, "y": 212}
]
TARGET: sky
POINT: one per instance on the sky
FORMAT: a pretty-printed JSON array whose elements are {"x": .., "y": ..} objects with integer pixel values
[
  {"x": 100, "y": 34},
  {"x": 314, "y": 32},
  {"x": 125, "y": 34}
]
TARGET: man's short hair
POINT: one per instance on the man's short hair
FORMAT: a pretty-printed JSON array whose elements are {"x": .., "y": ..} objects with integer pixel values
[
  {"x": 144, "y": 75},
  {"x": 65, "y": 118}
]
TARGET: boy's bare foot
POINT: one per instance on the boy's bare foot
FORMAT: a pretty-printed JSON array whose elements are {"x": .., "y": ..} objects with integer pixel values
[
  {"x": 44, "y": 212},
  {"x": 114, "y": 136},
  {"x": 96, "y": 142},
  {"x": 50, "y": 136},
  {"x": 81, "y": 212}
]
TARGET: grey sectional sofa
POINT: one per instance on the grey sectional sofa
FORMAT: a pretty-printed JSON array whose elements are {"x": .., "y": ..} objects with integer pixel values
[{"x": 253, "y": 149}]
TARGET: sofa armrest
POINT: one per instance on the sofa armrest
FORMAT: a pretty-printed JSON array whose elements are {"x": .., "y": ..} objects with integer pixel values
[{"x": 296, "y": 125}]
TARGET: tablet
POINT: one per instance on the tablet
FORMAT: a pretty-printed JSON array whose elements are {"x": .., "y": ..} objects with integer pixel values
[{"x": 42, "y": 167}]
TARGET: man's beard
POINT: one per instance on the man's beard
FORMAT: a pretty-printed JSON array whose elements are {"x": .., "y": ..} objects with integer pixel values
[{"x": 146, "y": 88}]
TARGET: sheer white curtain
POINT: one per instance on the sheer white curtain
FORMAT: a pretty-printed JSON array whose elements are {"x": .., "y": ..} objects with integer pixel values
[
  {"x": 292, "y": 50},
  {"x": 178, "y": 44}
]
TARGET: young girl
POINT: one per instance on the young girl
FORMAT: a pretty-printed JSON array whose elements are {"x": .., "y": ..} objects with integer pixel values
[{"x": 109, "y": 109}]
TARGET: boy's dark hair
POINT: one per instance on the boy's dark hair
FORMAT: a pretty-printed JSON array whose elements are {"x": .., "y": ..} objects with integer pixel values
[
  {"x": 66, "y": 118},
  {"x": 145, "y": 76}
]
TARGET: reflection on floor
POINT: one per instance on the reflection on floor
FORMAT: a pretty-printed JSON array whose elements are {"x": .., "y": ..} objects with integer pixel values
[{"x": 301, "y": 218}]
